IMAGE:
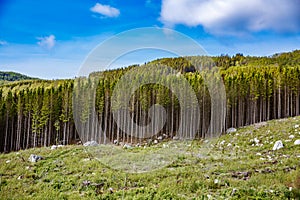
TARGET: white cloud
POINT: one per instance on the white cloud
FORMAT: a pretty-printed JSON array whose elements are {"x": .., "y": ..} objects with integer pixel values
[
  {"x": 47, "y": 42},
  {"x": 2, "y": 43},
  {"x": 231, "y": 17},
  {"x": 105, "y": 10}
]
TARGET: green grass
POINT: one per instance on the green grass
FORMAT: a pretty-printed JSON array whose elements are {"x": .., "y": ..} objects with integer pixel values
[{"x": 242, "y": 170}]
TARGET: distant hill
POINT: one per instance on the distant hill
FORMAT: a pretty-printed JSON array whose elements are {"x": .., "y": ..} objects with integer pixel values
[{"x": 13, "y": 76}]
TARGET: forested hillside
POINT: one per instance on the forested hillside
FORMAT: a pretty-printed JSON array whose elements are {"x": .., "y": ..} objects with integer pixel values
[
  {"x": 6, "y": 77},
  {"x": 39, "y": 113}
]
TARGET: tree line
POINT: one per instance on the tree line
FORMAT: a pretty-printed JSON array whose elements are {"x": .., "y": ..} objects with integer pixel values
[{"x": 40, "y": 113}]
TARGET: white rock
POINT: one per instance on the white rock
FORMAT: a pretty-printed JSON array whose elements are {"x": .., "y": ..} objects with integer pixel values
[
  {"x": 8, "y": 161},
  {"x": 90, "y": 143},
  {"x": 291, "y": 136},
  {"x": 165, "y": 146},
  {"x": 155, "y": 141},
  {"x": 278, "y": 145},
  {"x": 258, "y": 154},
  {"x": 34, "y": 158},
  {"x": 231, "y": 130},
  {"x": 296, "y": 126},
  {"x": 175, "y": 138},
  {"x": 229, "y": 144},
  {"x": 216, "y": 181},
  {"x": 127, "y": 146},
  {"x": 160, "y": 137},
  {"x": 256, "y": 140},
  {"x": 60, "y": 145},
  {"x": 222, "y": 143},
  {"x": 116, "y": 142},
  {"x": 297, "y": 142},
  {"x": 53, "y": 147}
]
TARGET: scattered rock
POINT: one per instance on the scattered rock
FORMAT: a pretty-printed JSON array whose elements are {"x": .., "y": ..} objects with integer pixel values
[
  {"x": 216, "y": 181},
  {"x": 278, "y": 145},
  {"x": 111, "y": 190},
  {"x": 138, "y": 145},
  {"x": 256, "y": 140},
  {"x": 231, "y": 130},
  {"x": 53, "y": 147},
  {"x": 222, "y": 143},
  {"x": 90, "y": 143},
  {"x": 229, "y": 144},
  {"x": 165, "y": 146},
  {"x": 8, "y": 161},
  {"x": 297, "y": 142},
  {"x": 234, "y": 190},
  {"x": 175, "y": 138},
  {"x": 291, "y": 136},
  {"x": 20, "y": 177},
  {"x": 155, "y": 142},
  {"x": 127, "y": 146},
  {"x": 296, "y": 126},
  {"x": 160, "y": 137},
  {"x": 34, "y": 158},
  {"x": 86, "y": 183},
  {"x": 116, "y": 142}
]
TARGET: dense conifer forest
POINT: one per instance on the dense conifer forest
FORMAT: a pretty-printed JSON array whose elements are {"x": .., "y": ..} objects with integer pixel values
[{"x": 40, "y": 112}]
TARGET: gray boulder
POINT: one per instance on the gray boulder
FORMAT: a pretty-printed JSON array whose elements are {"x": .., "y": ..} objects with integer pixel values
[
  {"x": 278, "y": 145},
  {"x": 297, "y": 142},
  {"x": 34, "y": 158},
  {"x": 90, "y": 143},
  {"x": 231, "y": 130}
]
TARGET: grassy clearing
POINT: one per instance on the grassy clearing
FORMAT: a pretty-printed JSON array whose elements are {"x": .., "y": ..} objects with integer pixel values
[{"x": 234, "y": 166}]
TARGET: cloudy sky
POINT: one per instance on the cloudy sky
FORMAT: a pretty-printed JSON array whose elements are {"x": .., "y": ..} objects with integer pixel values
[{"x": 51, "y": 39}]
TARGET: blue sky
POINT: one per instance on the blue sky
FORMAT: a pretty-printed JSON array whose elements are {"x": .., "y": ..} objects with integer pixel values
[{"x": 51, "y": 39}]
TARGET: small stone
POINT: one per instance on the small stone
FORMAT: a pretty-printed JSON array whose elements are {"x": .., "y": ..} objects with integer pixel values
[
  {"x": 296, "y": 126},
  {"x": 297, "y": 142},
  {"x": 278, "y": 145},
  {"x": 53, "y": 147},
  {"x": 8, "y": 161},
  {"x": 111, "y": 190},
  {"x": 90, "y": 143},
  {"x": 127, "y": 146},
  {"x": 231, "y": 130},
  {"x": 222, "y": 143},
  {"x": 116, "y": 142},
  {"x": 155, "y": 142},
  {"x": 20, "y": 177},
  {"x": 229, "y": 144},
  {"x": 138, "y": 145},
  {"x": 175, "y": 138},
  {"x": 165, "y": 146},
  {"x": 291, "y": 136},
  {"x": 216, "y": 181},
  {"x": 34, "y": 158},
  {"x": 258, "y": 154},
  {"x": 256, "y": 140},
  {"x": 160, "y": 137},
  {"x": 234, "y": 190},
  {"x": 86, "y": 183}
]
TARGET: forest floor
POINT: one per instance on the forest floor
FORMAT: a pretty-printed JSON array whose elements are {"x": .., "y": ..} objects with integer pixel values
[{"x": 239, "y": 165}]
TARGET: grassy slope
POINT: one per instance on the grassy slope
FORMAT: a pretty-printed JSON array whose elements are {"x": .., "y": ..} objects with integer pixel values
[{"x": 241, "y": 171}]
